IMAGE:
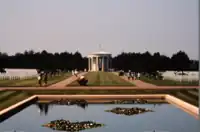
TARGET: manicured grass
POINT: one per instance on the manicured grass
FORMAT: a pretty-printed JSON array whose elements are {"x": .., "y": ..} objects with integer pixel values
[
  {"x": 4, "y": 83},
  {"x": 15, "y": 98},
  {"x": 5, "y": 95},
  {"x": 103, "y": 79},
  {"x": 169, "y": 82},
  {"x": 32, "y": 82}
]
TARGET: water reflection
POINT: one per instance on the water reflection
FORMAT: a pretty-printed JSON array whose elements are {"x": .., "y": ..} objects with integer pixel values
[
  {"x": 44, "y": 107},
  {"x": 82, "y": 105}
]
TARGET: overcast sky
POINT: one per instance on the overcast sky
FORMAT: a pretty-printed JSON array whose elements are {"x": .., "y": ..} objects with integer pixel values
[{"x": 164, "y": 26}]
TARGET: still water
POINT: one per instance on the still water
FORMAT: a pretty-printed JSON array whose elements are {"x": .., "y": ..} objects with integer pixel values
[{"x": 166, "y": 118}]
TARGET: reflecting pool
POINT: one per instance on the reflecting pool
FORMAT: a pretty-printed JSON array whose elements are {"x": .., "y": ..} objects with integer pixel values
[{"x": 166, "y": 118}]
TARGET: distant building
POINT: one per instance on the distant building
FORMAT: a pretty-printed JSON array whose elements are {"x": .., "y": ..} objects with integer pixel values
[{"x": 99, "y": 61}]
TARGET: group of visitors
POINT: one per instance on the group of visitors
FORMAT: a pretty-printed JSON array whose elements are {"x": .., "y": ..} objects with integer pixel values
[
  {"x": 133, "y": 75},
  {"x": 42, "y": 77},
  {"x": 82, "y": 81}
]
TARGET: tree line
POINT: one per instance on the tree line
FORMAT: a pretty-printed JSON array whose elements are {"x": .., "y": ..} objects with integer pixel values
[
  {"x": 147, "y": 62},
  {"x": 139, "y": 62}
]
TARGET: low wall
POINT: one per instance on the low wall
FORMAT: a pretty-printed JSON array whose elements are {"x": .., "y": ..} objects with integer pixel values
[
  {"x": 10, "y": 111},
  {"x": 51, "y": 97},
  {"x": 191, "y": 109}
]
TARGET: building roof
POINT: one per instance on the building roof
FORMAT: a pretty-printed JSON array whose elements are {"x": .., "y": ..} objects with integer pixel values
[{"x": 101, "y": 53}]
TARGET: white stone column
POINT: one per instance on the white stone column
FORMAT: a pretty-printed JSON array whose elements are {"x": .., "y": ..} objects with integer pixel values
[
  {"x": 89, "y": 66},
  {"x": 107, "y": 63},
  {"x": 110, "y": 63},
  {"x": 97, "y": 63},
  {"x": 102, "y": 64}
]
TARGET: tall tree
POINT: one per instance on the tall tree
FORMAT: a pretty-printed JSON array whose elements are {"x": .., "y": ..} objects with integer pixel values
[{"x": 180, "y": 61}]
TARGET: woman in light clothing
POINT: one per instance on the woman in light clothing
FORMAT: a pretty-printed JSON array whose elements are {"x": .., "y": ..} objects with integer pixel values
[
  {"x": 40, "y": 80},
  {"x": 76, "y": 72},
  {"x": 138, "y": 75},
  {"x": 72, "y": 72}
]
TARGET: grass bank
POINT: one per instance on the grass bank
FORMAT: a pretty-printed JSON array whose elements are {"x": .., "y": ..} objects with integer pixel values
[{"x": 9, "y": 98}]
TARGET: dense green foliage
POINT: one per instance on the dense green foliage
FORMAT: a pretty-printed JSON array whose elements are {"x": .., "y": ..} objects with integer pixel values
[{"x": 145, "y": 62}]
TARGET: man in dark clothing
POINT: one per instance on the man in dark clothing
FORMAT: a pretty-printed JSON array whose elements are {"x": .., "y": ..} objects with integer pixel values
[{"x": 45, "y": 79}]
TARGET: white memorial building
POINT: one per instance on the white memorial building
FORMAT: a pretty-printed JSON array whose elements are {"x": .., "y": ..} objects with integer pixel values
[{"x": 99, "y": 61}]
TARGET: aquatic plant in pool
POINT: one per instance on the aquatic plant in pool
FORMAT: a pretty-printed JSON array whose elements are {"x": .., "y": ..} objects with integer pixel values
[
  {"x": 66, "y": 125},
  {"x": 129, "y": 111}
]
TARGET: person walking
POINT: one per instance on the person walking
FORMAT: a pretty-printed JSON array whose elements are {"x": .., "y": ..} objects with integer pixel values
[
  {"x": 138, "y": 75},
  {"x": 45, "y": 79},
  {"x": 129, "y": 74},
  {"x": 39, "y": 80},
  {"x": 132, "y": 75},
  {"x": 76, "y": 72}
]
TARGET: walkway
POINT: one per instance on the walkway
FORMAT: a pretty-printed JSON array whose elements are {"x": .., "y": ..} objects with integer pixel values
[
  {"x": 139, "y": 83},
  {"x": 66, "y": 81}
]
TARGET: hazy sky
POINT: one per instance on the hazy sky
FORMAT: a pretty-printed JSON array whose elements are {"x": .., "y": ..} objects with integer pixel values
[{"x": 166, "y": 26}]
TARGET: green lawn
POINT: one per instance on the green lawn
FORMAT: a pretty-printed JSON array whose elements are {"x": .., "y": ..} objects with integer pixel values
[
  {"x": 169, "y": 82},
  {"x": 103, "y": 79},
  {"x": 32, "y": 82}
]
